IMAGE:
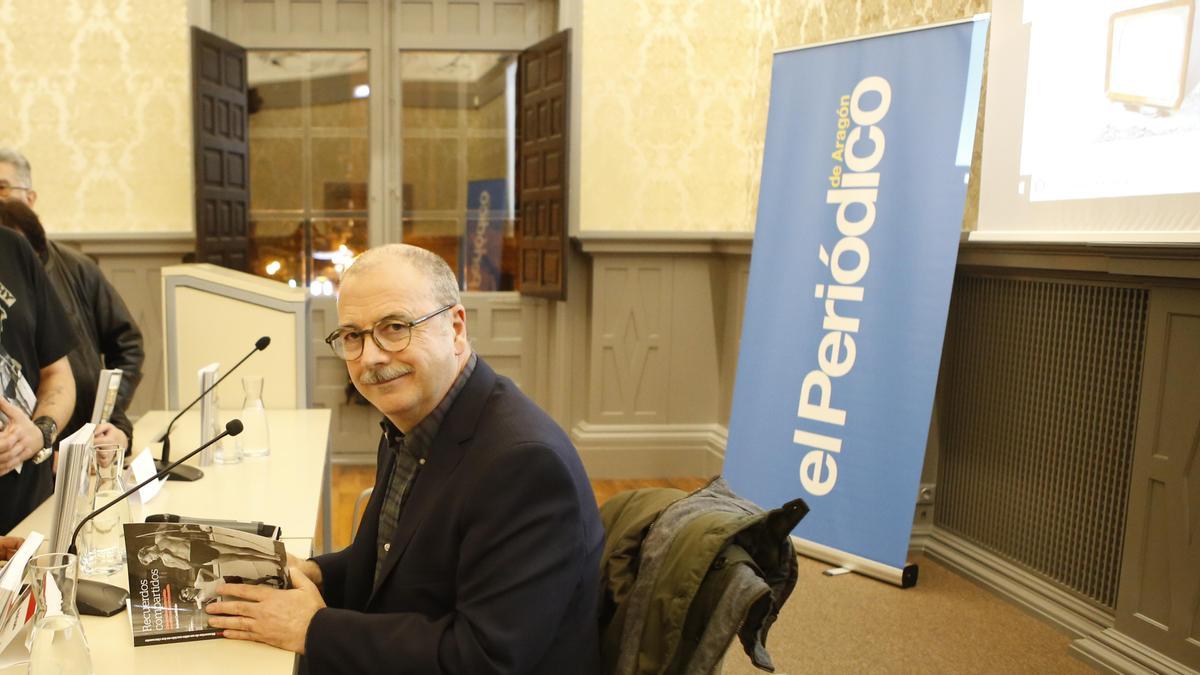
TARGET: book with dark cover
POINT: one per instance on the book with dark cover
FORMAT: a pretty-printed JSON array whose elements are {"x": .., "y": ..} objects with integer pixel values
[{"x": 175, "y": 569}]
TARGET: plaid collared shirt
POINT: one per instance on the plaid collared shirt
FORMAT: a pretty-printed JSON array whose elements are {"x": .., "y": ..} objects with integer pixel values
[{"x": 411, "y": 451}]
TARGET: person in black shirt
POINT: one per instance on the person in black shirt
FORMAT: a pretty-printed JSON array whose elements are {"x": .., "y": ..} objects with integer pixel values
[
  {"x": 38, "y": 391},
  {"x": 107, "y": 335}
]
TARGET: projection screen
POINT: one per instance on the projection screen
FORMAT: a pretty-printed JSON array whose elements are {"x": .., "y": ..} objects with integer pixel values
[{"x": 1092, "y": 122}]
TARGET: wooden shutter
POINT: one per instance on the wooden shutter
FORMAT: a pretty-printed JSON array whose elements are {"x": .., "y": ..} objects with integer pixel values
[
  {"x": 542, "y": 96},
  {"x": 222, "y": 162}
]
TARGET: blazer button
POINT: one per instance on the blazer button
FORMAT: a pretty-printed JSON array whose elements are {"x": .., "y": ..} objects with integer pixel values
[
  {"x": 387, "y": 547},
  {"x": 421, "y": 461}
]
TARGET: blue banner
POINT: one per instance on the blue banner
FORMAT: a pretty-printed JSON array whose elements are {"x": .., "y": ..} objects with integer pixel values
[
  {"x": 860, "y": 210},
  {"x": 480, "y": 259}
]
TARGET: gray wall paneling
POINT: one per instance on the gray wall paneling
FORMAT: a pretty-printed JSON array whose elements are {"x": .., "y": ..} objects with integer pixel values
[
  {"x": 662, "y": 340},
  {"x": 1159, "y": 603}
]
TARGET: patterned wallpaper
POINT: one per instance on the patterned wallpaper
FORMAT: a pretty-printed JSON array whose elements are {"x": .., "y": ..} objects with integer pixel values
[
  {"x": 674, "y": 101},
  {"x": 674, "y": 98},
  {"x": 96, "y": 93}
]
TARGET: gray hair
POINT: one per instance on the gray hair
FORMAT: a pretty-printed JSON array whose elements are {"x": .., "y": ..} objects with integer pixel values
[
  {"x": 24, "y": 173},
  {"x": 429, "y": 264}
]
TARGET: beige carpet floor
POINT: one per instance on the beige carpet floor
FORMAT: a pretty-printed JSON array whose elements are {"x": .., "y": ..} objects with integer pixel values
[
  {"x": 854, "y": 624},
  {"x": 945, "y": 624}
]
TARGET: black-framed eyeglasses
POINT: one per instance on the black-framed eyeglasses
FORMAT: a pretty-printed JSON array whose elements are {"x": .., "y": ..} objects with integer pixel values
[{"x": 391, "y": 334}]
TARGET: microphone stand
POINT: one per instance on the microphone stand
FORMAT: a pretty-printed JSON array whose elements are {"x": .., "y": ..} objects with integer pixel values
[
  {"x": 100, "y": 599},
  {"x": 191, "y": 473}
]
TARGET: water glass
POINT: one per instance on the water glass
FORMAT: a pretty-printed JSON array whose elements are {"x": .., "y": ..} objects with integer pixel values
[
  {"x": 104, "y": 535},
  {"x": 227, "y": 450}
]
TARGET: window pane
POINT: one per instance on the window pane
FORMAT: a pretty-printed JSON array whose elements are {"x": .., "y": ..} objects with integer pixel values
[
  {"x": 431, "y": 174},
  {"x": 339, "y": 177},
  {"x": 458, "y": 129},
  {"x": 277, "y": 249},
  {"x": 335, "y": 242},
  {"x": 310, "y": 158},
  {"x": 273, "y": 165}
]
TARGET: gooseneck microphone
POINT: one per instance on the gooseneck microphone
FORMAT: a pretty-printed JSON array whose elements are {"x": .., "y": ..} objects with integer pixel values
[
  {"x": 100, "y": 599},
  {"x": 232, "y": 428},
  {"x": 190, "y": 473}
]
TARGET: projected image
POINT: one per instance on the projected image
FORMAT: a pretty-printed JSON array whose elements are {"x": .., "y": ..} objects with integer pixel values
[{"x": 1112, "y": 104}]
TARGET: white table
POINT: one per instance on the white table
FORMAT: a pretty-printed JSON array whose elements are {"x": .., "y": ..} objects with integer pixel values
[
  {"x": 282, "y": 489},
  {"x": 285, "y": 489}
]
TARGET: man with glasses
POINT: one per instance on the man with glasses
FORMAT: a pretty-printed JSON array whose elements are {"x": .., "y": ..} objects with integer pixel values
[
  {"x": 106, "y": 334},
  {"x": 479, "y": 550}
]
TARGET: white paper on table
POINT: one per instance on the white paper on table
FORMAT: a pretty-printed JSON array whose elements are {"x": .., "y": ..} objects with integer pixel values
[{"x": 143, "y": 468}]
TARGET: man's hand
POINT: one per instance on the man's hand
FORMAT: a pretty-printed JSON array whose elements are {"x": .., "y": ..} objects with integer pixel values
[
  {"x": 308, "y": 567},
  {"x": 19, "y": 440},
  {"x": 106, "y": 433},
  {"x": 274, "y": 617},
  {"x": 9, "y": 546}
]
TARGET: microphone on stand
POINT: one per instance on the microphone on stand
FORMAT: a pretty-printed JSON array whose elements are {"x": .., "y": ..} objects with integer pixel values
[
  {"x": 190, "y": 473},
  {"x": 99, "y": 599}
]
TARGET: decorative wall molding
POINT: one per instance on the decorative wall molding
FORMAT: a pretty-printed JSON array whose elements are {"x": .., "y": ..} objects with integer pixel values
[
  {"x": 650, "y": 450},
  {"x": 663, "y": 336},
  {"x": 1180, "y": 262},
  {"x": 1066, "y": 611},
  {"x": 496, "y": 328},
  {"x": 1159, "y": 590},
  {"x": 666, "y": 243},
  {"x": 1113, "y": 651},
  {"x": 104, "y": 244},
  {"x": 630, "y": 329},
  {"x": 1095, "y": 641}
]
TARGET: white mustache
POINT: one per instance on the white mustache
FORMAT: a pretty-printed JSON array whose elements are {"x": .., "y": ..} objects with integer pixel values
[{"x": 383, "y": 374}]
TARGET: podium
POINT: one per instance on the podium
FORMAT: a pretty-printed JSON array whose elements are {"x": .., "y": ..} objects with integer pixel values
[{"x": 211, "y": 313}]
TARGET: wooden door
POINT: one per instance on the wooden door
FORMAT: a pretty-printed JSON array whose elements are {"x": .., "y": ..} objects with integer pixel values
[
  {"x": 222, "y": 153},
  {"x": 542, "y": 143}
]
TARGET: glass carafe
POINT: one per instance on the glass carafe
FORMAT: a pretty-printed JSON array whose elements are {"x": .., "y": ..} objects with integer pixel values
[
  {"x": 254, "y": 439},
  {"x": 57, "y": 645},
  {"x": 104, "y": 535}
]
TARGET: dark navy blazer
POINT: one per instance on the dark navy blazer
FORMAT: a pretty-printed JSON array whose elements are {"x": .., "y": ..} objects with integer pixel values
[{"x": 495, "y": 563}]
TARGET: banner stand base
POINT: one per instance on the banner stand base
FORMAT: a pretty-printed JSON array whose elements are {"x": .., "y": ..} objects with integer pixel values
[{"x": 904, "y": 577}]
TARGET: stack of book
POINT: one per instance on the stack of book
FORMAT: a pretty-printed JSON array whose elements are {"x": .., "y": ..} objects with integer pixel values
[{"x": 70, "y": 486}]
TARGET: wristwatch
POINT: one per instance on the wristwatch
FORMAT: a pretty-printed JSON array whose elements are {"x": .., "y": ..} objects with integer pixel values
[{"x": 49, "y": 430}]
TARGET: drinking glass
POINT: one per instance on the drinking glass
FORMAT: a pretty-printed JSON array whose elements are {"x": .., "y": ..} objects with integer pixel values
[{"x": 227, "y": 450}]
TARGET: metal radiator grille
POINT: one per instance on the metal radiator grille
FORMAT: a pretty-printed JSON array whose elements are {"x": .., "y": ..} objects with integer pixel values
[{"x": 1038, "y": 406}]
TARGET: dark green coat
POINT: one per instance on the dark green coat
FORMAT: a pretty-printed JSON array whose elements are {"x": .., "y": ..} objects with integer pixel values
[{"x": 681, "y": 574}]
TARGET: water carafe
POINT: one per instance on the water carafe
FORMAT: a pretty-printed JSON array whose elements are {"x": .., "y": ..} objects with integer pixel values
[
  {"x": 57, "y": 644},
  {"x": 254, "y": 439},
  {"x": 104, "y": 535}
]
